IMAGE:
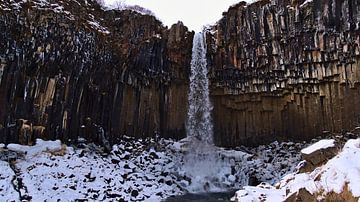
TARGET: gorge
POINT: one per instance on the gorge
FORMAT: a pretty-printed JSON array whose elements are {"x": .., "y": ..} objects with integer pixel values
[{"x": 140, "y": 107}]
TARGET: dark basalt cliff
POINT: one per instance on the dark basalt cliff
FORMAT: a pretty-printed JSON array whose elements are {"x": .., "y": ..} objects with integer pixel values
[
  {"x": 285, "y": 69},
  {"x": 68, "y": 68},
  {"x": 279, "y": 69}
]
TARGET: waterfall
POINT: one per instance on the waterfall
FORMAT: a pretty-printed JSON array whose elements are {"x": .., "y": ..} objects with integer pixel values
[
  {"x": 200, "y": 163},
  {"x": 199, "y": 123},
  {"x": 207, "y": 166}
]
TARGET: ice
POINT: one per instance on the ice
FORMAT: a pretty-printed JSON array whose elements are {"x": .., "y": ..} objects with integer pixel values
[{"x": 322, "y": 144}]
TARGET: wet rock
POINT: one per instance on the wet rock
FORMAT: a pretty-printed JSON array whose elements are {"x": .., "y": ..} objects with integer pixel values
[
  {"x": 115, "y": 161},
  {"x": 169, "y": 182},
  {"x": 154, "y": 155},
  {"x": 253, "y": 181},
  {"x": 301, "y": 195},
  {"x": 134, "y": 193}
]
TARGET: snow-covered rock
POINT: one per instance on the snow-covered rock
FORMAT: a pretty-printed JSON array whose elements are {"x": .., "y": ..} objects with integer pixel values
[
  {"x": 338, "y": 179},
  {"x": 322, "y": 144},
  {"x": 138, "y": 170},
  {"x": 317, "y": 154},
  {"x": 262, "y": 192},
  {"x": 39, "y": 147}
]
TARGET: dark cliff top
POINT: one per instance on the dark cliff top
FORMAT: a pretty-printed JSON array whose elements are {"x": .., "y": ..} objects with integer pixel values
[{"x": 85, "y": 13}]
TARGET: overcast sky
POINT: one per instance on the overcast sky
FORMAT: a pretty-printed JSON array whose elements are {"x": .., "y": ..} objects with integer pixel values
[{"x": 194, "y": 13}]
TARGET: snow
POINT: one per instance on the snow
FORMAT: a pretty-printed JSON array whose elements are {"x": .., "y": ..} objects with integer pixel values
[
  {"x": 142, "y": 170},
  {"x": 340, "y": 171},
  {"x": 262, "y": 192},
  {"x": 295, "y": 182},
  {"x": 306, "y": 2},
  {"x": 344, "y": 168},
  {"x": 322, "y": 144},
  {"x": 39, "y": 147},
  {"x": 95, "y": 25},
  {"x": 7, "y": 191},
  {"x": 59, "y": 7},
  {"x": 85, "y": 173},
  {"x": 150, "y": 171}
]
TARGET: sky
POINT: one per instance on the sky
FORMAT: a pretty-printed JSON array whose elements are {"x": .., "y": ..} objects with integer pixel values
[{"x": 193, "y": 13}]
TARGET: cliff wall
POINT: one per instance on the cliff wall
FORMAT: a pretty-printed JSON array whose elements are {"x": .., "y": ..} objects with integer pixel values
[
  {"x": 281, "y": 69},
  {"x": 69, "y": 68},
  {"x": 285, "y": 69}
]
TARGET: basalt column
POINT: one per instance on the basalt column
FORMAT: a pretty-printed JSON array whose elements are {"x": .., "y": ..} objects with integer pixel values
[
  {"x": 70, "y": 68},
  {"x": 285, "y": 69}
]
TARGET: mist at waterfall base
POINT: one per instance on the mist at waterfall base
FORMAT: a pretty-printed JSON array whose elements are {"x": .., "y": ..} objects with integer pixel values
[{"x": 202, "y": 162}]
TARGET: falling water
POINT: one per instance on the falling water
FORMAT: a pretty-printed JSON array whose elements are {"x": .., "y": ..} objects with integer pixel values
[
  {"x": 199, "y": 123},
  {"x": 209, "y": 169},
  {"x": 200, "y": 163}
]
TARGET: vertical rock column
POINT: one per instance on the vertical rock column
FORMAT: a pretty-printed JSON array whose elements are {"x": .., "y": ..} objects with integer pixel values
[{"x": 285, "y": 69}]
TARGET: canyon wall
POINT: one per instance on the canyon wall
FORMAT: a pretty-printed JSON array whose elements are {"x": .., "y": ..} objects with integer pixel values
[
  {"x": 69, "y": 69},
  {"x": 285, "y": 69},
  {"x": 280, "y": 69}
]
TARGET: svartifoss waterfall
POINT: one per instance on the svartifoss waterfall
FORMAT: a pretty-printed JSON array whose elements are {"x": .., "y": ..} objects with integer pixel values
[
  {"x": 209, "y": 168},
  {"x": 199, "y": 123},
  {"x": 201, "y": 161}
]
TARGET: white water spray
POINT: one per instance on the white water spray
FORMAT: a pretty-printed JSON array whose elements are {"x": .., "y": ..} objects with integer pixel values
[
  {"x": 199, "y": 123},
  {"x": 200, "y": 163},
  {"x": 209, "y": 168}
]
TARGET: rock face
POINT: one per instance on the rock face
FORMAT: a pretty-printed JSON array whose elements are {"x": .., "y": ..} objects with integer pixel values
[
  {"x": 279, "y": 69},
  {"x": 285, "y": 69},
  {"x": 69, "y": 68}
]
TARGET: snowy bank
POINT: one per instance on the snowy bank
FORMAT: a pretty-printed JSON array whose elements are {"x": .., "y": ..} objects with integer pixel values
[
  {"x": 135, "y": 170},
  {"x": 338, "y": 179},
  {"x": 39, "y": 147}
]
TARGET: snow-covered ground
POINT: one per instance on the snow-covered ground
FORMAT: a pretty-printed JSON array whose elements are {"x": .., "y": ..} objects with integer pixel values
[
  {"x": 135, "y": 170},
  {"x": 7, "y": 191},
  {"x": 340, "y": 173},
  {"x": 49, "y": 170}
]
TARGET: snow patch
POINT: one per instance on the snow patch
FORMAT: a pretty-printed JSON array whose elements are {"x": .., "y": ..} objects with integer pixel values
[
  {"x": 39, "y": 147},
  {"x": 262, "y": 192},
  {"x": 306, "y": 2},
  {"x": 96, "y": 25},
  {"x": 7, "y": 191},
  {"x": 322, "y": 144}
]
